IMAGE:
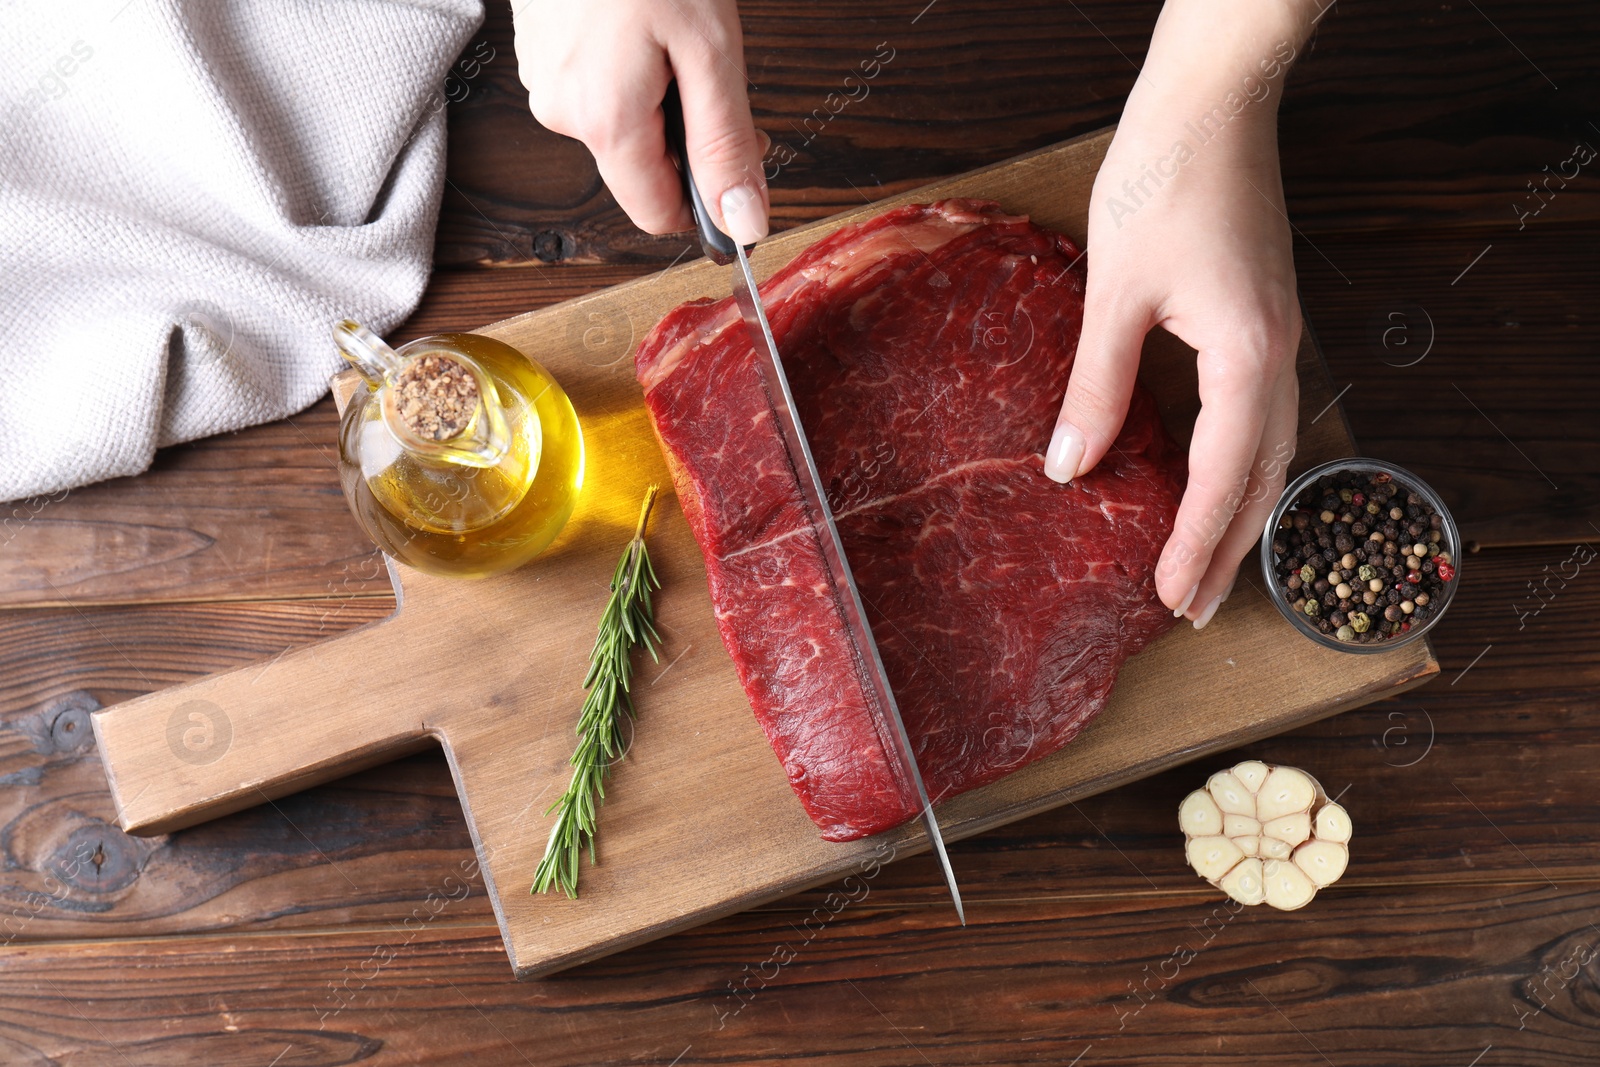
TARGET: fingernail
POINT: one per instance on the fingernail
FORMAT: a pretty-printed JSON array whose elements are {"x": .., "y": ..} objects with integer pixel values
[
  {"x": 743, "y": 215},
  {"x": 1187, "y": 601},
  {"x": 1061, "y": 459},
  {"x": 765, "y": 142},
  {"x": 1211, "y": 609}
]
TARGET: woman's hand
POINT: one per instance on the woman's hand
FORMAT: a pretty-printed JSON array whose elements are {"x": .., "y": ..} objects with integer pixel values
[
  {"x": 1187, "y": 231},
  {"x": 598, "y": 71}
]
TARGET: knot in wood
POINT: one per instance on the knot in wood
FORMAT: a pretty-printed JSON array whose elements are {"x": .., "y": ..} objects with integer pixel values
[
  {"x": 68, "y": 721},
  {"x": 97, "y": 858}
]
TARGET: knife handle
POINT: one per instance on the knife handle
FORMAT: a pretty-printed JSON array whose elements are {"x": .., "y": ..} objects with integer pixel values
[{"x": 718, "y": 246}]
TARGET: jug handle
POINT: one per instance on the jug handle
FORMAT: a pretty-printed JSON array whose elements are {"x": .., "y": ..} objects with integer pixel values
[{"x": 366, "y": 351}]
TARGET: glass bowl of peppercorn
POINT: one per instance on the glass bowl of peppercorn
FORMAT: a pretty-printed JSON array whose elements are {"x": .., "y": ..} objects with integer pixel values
[{"x": 1361, "y": 556}]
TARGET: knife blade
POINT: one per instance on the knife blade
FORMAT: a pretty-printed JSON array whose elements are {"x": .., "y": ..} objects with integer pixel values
[{"x": 722, "y": 249}]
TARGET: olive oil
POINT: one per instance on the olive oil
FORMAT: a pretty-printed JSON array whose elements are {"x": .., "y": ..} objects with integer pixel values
[{"x": 481, "y": 502}]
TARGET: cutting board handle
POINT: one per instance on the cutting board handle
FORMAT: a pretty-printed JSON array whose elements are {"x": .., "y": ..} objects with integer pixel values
[{"x": 230, "y": 741}]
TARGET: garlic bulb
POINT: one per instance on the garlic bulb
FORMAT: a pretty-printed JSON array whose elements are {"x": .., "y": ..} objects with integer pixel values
[{"x": 1265, "y": 834}]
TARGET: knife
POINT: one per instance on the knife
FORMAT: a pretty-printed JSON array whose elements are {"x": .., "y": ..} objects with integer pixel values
[{"x": 723, "y": 250}]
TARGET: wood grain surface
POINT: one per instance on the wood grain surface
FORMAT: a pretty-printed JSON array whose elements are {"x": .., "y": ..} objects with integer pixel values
[
  {"x": 1408, "y": 134},
  {"x": 1394, "y": 116},
  {"x": 1117, "y": 980}
]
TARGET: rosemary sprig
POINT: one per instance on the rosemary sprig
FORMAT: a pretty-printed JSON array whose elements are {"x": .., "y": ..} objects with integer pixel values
[{"x": 626, "y": 622}]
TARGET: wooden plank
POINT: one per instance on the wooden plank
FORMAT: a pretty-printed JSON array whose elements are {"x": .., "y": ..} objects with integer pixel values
[
  {"x": 1385, "y": 122},
  {"x": 298, "y": 729},
  {"x": 257, "y": 513},
  {"x": 1127, "y": 981},
  {"x": 107, "y": 654},
  {"x": 1472, "y": 371}
]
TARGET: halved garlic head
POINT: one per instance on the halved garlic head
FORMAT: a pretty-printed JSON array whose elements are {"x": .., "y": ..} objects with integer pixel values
[{"x": 1265, "y": 834}]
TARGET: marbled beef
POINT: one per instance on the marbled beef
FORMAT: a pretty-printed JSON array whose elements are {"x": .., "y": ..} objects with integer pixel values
[{"x": 927, "y": 349}]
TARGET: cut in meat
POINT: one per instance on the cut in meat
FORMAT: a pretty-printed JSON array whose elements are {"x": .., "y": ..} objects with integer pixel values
[{"x": 927, "y": 350}]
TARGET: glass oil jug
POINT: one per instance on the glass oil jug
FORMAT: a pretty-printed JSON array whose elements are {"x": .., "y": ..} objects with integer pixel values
[{"x": 458, "y": 455}]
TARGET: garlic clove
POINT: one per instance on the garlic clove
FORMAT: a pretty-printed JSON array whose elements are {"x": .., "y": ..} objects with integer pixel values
[
  {"x": 1231, "y": 795},
  {"x": 1213, "y": 857},
  {"x": 1240, "y": 826},
  {"x": 1287, "y": 887},
  {"x": 1290, "y": 829},
  {"x": 1273, "y": 848},
  {"x": 1244, "y": 883},
  {"x": 1333, "y": 823},
  {"x": 1199, "y": 815},
  {"x": 1251, "y": 774},
  {"x": 1286, "y": 790},
  {"x": 1250, "y": 846},
  {"x": 1322, "y": 861}
]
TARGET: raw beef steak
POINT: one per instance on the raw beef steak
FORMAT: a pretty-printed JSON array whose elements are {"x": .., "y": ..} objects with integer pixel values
[{"x": 927, "y": 349}]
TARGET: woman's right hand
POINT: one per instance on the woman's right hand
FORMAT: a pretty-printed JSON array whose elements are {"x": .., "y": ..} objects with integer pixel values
[
  {"x": 598, "y": 71},
  {"x": 1188, "y": 231}
]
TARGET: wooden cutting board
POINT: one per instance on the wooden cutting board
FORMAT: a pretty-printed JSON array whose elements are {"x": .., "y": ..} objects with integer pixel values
[{"x": 699, "y": 821}]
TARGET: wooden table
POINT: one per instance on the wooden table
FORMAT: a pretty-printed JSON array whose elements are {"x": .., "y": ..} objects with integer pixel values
[{"x": 346, "y": 923}]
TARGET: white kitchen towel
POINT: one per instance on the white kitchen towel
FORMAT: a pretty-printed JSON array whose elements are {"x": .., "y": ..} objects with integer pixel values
[{"x": 191, "y": 193}]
